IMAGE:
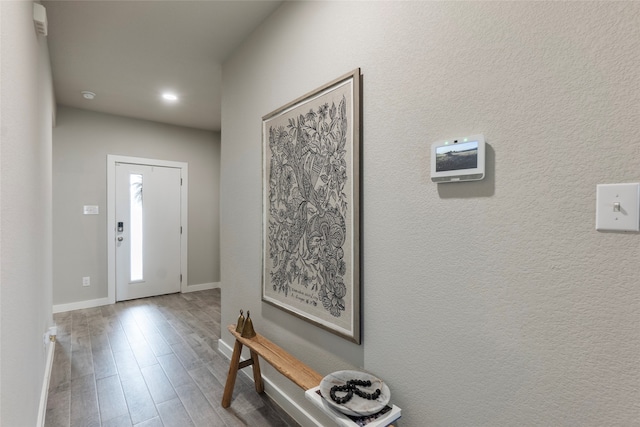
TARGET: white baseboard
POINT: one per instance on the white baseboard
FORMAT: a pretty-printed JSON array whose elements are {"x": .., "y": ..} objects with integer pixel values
[
  {"x": 61, "y": 308},
  {"x": 291, "y": 407},
  {"x": 200, "y": 287},
  {"x": 44, "y": 394}
]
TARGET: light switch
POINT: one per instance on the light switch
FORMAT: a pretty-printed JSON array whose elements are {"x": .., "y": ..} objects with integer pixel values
[
  {"x": 90, "y": 210},
  {"x": 618, "y": 207}
]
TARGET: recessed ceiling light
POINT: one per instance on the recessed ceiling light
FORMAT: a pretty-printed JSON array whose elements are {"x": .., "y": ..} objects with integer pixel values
[
  {"x": 169, "y": 96},
  {"x": 88, "y": 95}
]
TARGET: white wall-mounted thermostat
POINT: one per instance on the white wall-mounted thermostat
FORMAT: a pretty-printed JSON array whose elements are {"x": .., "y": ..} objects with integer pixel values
[{"x": 458, "y": 159}]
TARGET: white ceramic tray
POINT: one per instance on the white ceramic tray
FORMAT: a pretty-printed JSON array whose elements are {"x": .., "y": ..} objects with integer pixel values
[{"x": 356, "y": 406}]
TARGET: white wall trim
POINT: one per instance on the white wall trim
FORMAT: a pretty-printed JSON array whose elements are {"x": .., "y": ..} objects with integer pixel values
[
  {"x": 296, "y": 411},
  {"x": 111, "y": 216},
  {"x": 200, "y": 287},
  {"x": 44, "y": 394},
  {"x": 78, "y": 305}
]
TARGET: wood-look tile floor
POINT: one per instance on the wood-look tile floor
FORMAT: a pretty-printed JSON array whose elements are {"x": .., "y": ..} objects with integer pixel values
[{"x": 146, "y": 363}]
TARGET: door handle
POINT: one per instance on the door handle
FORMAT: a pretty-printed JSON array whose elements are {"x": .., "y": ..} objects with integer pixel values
[{"x": 120, "y": 238}]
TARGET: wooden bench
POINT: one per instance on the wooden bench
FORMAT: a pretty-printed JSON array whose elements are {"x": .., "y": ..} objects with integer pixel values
[{"x": 302, "y": 375}]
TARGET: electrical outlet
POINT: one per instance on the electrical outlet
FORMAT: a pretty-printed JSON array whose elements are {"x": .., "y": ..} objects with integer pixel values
[{"x": 86, "y": 281}]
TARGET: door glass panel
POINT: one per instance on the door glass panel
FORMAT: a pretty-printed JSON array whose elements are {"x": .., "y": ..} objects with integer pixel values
[{"x": 135, "y": 194}]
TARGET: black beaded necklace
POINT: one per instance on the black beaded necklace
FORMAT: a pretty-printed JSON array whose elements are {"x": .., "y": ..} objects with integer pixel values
[{"x": 351, "y": 387}]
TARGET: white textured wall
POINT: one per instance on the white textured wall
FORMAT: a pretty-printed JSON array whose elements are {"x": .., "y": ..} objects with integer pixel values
[
  {"x": 82, "y": 140},
  {"x": 26, "y": 105},
  {"x": 493, "y": 303}
]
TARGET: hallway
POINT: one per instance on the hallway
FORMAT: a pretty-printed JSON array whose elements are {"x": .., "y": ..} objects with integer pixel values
[{"x": 146, "y": 363}]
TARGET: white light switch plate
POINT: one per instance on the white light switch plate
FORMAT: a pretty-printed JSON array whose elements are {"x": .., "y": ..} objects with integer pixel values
[
  {"x": 618, "y": 207},
  {"x": 90, "y": 210}
]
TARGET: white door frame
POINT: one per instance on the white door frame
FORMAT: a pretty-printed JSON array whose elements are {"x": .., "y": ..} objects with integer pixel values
[{"x": 111, "y": 216}]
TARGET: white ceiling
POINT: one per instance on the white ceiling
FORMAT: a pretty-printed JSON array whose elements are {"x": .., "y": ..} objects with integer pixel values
[{"x": 129, "y": 52}]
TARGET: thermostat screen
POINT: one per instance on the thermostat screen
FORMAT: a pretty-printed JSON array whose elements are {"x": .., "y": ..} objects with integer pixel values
[{"x": 454, "y": 157}]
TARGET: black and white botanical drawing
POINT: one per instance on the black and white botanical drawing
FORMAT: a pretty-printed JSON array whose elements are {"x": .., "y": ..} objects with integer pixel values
[
  {"x": 307, "y": 204},
  {"x": 309, "y": 209}
]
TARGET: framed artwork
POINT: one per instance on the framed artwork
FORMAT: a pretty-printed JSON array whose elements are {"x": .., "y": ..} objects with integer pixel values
[{"x": 311, "y": 175}]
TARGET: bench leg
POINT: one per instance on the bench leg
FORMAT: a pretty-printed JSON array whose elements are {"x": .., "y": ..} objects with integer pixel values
[
  {"x": 257, "y": 377},
  {"x": 231, "y": 376}
]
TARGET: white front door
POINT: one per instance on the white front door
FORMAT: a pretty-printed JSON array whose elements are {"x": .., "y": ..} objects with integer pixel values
[{"x": 148, "y": 230}]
